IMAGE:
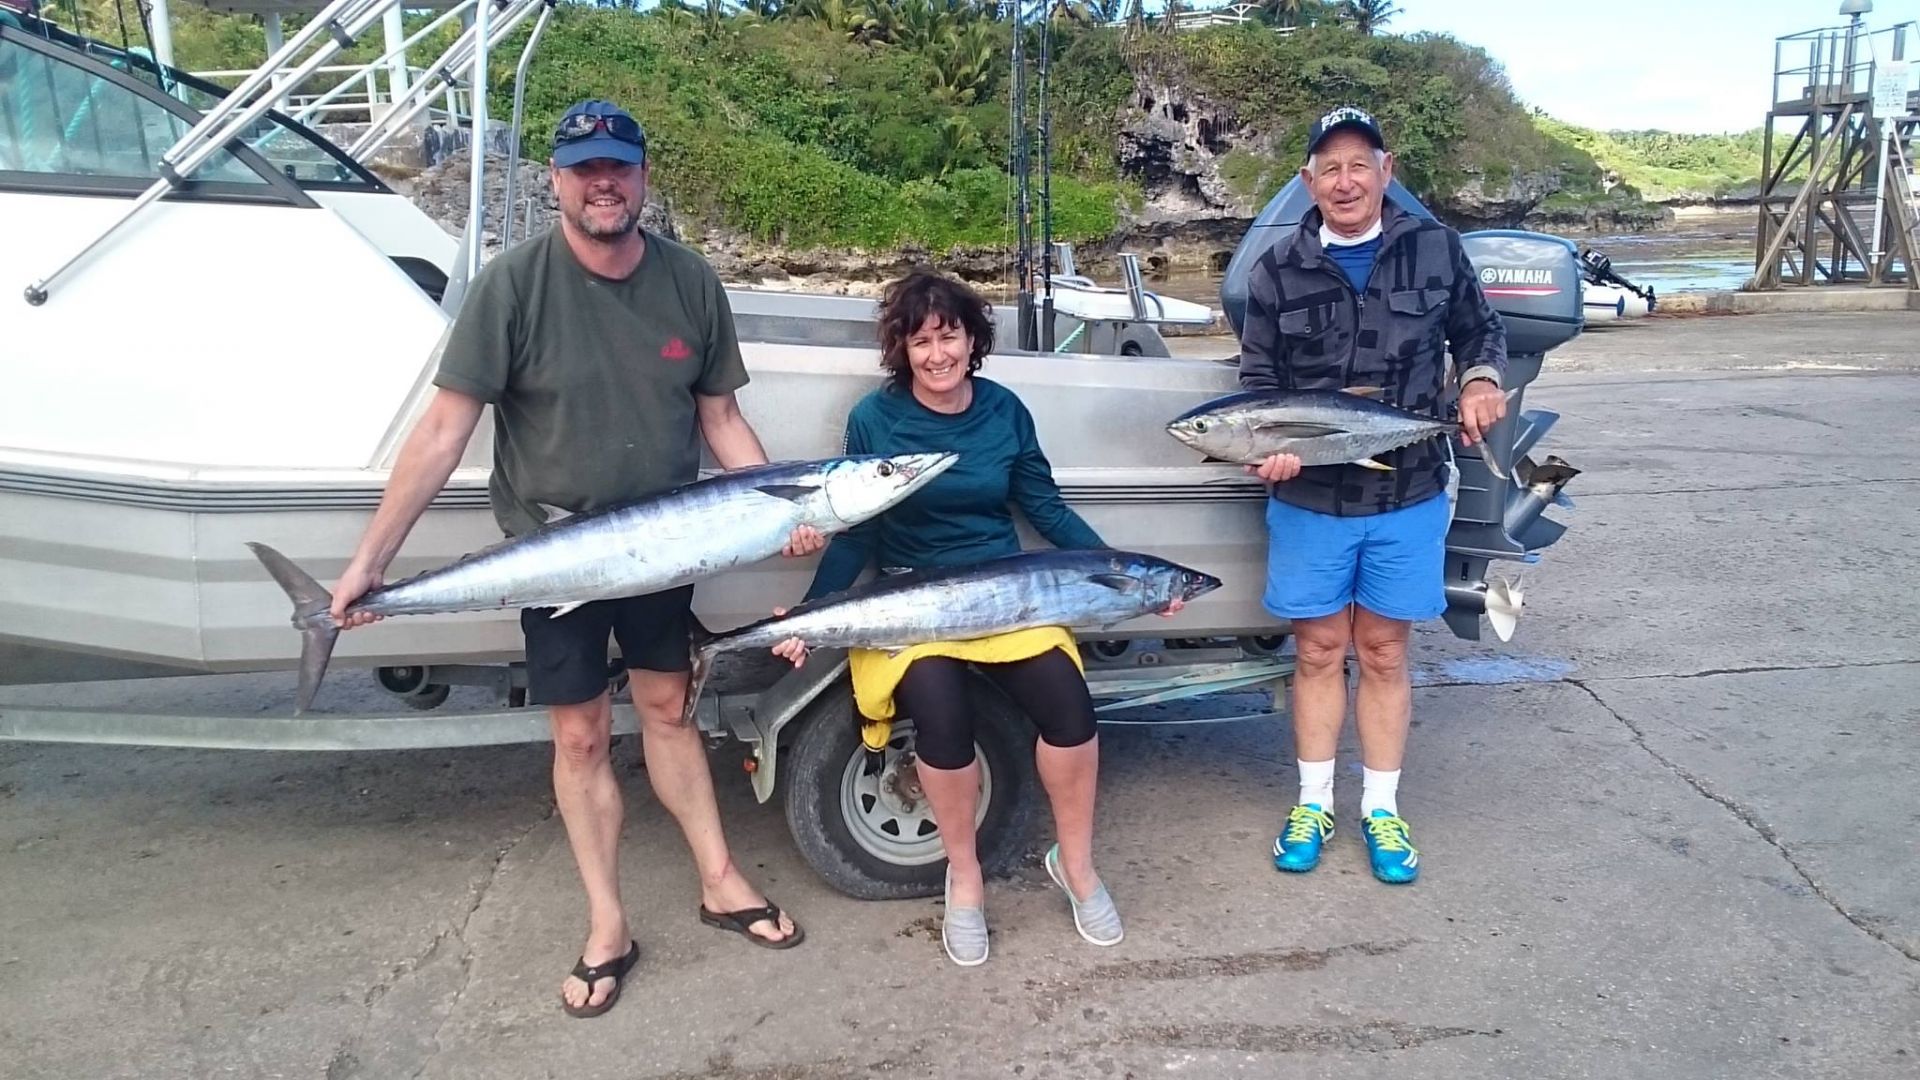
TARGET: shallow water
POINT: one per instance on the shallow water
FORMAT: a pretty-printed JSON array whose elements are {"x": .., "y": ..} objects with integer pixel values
[{"x": 1702, "y": 252}]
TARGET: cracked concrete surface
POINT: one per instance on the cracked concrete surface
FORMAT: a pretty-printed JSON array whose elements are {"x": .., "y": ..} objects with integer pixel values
[
  {"x": 1752, "y": 820},
  {"x": 1670, "y": 830}
]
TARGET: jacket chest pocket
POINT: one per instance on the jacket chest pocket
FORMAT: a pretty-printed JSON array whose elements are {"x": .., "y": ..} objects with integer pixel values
[
  {"x": 1315, "y": 343},
  {"x": 1418, "y": 323}
]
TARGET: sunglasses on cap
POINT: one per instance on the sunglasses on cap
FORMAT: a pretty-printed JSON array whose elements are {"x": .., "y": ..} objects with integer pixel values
[{"x": 583, "y": 125}]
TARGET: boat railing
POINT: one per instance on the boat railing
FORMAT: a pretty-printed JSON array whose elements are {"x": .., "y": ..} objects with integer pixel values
[{"x": 355, "y": 95}]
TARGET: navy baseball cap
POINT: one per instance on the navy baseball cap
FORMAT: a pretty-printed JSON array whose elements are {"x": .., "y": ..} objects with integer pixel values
[
  {"x": 1345, "y": 118},
  {"x": 598, "y": 129}
]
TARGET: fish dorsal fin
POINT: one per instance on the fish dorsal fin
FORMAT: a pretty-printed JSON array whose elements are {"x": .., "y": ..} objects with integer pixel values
[
  {"x": 1369, "y": 463},
  {"x": 1295, "y": 429},
  {"x": 789, "y": 492},
  {"x": 555, "y": 514},
  {"x": 1363, "y": 391},
  {"x": 564, "y": 608},
  {"x": 1121, "y": 583}
]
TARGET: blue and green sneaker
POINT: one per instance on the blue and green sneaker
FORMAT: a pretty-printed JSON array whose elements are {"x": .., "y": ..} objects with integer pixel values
[
  {"x": 1390, "y": 848},
  {"x": 1297, "y": 848}
]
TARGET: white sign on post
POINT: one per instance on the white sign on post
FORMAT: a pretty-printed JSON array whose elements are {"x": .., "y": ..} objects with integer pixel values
[{"x": 1890, "y": 89}]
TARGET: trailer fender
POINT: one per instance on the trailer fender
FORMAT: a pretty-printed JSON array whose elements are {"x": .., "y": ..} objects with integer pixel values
[{"x": 776, "y": 707}]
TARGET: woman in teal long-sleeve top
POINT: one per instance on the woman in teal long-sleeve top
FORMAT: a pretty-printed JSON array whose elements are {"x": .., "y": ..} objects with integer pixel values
[
  {"x": 965, "y": 515},
  {"x": 934, "y": 333}
]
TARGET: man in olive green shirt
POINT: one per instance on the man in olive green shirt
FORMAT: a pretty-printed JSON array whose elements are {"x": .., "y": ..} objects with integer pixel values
[{"x": 608, "y": 354}]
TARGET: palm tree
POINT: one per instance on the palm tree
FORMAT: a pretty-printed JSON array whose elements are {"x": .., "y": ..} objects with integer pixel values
[
  {"x": 1368, "y": 15},
  {"x": 964, "y": 62},
  {"x": 1283, "y": 12}
]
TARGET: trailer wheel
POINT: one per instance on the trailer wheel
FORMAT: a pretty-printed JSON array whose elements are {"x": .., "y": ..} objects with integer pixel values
[
  {"x": 431, "y": 696},
  {"x": 862, "y": 824}
]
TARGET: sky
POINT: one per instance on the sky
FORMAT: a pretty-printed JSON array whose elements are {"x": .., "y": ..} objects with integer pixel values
[{"x": 1677, "y": 65}]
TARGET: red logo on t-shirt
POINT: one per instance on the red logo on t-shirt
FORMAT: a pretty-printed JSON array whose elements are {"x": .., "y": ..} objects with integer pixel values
[{"x": 675, "y": 350}]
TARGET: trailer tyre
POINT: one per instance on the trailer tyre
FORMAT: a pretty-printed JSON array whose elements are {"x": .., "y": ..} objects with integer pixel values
[{"x": 867, "y": 832}]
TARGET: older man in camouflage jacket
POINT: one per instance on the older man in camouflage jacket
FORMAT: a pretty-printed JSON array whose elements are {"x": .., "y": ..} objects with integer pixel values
[{"x": 1364, "y": 294}]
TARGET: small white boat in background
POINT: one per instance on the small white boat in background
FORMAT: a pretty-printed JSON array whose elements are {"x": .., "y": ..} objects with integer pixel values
[{"x": 1605, "y": 296}]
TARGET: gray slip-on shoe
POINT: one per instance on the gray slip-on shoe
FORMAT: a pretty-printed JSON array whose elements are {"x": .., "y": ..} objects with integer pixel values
[
  {"x": 963, "y": 931},
  {"x": 1095, "y": 917}
]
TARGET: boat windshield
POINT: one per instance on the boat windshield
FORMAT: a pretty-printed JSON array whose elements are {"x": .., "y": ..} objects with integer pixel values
[
  {"x": 59, "y": 118},
  {"x": 293, "y": 149}
]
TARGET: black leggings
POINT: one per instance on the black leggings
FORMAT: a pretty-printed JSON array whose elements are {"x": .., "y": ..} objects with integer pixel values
[{"x": 1048, "y": 688}]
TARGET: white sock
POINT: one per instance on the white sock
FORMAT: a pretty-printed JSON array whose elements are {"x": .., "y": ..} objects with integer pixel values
[
  {"x": 1316, "y": 783},
  {"x": 1378, "y": 792}
]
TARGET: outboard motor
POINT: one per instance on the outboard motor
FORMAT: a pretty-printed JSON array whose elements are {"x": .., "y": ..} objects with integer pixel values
[{"x": 1533, "y": 281}]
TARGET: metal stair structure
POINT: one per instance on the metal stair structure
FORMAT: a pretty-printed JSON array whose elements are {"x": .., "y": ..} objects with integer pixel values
[
  {"x": 1829, "y": 198},
  {"x": 1901, "y": 222}
]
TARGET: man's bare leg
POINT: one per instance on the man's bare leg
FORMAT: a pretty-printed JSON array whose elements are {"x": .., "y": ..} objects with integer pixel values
[
  {"x": 591, "y": 808},
  {"x": 677, "y": 765},
  {"x": 1384, "y": 711},
  {"x": 1320, "y": 683},
  {"x": 1383, "y": 707}
]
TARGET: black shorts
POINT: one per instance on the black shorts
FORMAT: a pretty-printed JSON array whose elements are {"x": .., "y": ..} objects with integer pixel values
[{"x": 567, "y": 661}]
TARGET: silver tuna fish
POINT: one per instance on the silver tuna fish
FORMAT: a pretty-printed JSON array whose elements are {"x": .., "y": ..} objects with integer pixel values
[
  {"x": 644, "y": 546},
  {"x": 1074, "y": 589},
  {"x": 1321, "y": 427}
]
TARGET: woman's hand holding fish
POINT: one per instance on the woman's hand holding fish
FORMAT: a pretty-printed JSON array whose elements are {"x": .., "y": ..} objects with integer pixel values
[
  {"x": 805, "y": 541},
  {"x": 1481, "y": 406},
  {"x": 793, "y": 649},
  {"x": 1277, "y": 469}
]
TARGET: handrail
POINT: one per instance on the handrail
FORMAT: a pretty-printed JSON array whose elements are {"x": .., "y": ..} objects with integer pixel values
[
  {"x": 393, "y": 54},
  {"x": 444, "y": 72},
  {"x": 519, "y": 116},
  {"x": 338, "y": 99}
]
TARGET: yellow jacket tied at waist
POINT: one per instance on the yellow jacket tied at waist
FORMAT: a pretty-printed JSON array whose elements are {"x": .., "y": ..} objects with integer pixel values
[{"x": 877, "y": 672}]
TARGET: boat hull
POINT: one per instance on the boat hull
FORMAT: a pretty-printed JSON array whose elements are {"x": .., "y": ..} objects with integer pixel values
[{"x": 163, "y": 574}]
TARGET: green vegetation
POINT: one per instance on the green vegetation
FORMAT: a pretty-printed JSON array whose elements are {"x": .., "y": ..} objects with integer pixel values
[
  {"x": 796, "y": 132},
  {"x": 1662, "y": 165},
  {"x": 875, "y": 124}
]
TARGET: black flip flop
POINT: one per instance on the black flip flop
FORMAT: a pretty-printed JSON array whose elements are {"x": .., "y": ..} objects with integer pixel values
[
  {"x": 616, "y": 969},
  {"x": 741, "y": 922}
]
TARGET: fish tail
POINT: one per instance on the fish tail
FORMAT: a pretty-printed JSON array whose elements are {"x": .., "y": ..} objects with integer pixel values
[
  {"x": 317, "y": 635},
  {"x": 1499, "y": 461},
  {"x": 703, "y": 655}
]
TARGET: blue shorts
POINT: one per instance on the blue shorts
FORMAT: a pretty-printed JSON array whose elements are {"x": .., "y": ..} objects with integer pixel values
[{"x": 1392, "y": 564}]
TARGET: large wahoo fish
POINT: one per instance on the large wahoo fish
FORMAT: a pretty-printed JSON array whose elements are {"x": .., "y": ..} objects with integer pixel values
[
  {"x": 1074, "y": 589},
  {"x": 644, "y": 546},
  {"x": 1321, "y": 427}
]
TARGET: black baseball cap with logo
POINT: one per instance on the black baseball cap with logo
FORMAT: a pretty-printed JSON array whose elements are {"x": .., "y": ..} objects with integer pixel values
[{"x": 1345, "y": 118}]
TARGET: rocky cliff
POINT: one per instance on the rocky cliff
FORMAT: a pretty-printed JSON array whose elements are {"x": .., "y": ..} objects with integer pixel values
[
  {"x": 1174, "y": 143},
  {"x": 1206, "y": 172}
]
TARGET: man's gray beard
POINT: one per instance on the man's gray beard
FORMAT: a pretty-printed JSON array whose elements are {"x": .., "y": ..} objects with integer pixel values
[{"x": 583, "y": 221}]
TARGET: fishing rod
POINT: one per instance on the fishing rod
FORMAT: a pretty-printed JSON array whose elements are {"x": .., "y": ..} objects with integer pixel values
[
  {"x": 1046, "y": 182},
  {"x": 1023, "y": 258}
]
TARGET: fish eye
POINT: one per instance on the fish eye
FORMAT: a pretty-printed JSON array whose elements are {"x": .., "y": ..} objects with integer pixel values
[
  {"x": 886, "y": 468},
  {"x": 1200, "y": 426}
]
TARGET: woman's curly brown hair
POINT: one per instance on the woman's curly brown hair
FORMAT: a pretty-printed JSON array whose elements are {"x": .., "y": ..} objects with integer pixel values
[{"x": 904, "y": 308}]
